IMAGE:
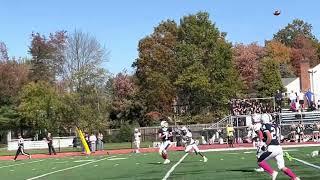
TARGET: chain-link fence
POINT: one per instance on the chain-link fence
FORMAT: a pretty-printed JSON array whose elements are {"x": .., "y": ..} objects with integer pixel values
[{"x": 206, "y": 134}]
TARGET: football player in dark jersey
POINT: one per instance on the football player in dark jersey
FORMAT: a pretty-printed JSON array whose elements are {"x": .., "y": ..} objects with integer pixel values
[
  {"x": 272, "y": 149},
  {"x": 21, "y": 148},
  {"x": 166, "y": 137}
]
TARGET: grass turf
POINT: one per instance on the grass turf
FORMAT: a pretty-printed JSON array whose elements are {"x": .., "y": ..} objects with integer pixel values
[{"x": 221, "y": 165}]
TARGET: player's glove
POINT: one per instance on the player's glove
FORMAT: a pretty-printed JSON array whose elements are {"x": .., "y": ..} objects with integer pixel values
[
  {"x": 261, "y": 148},
  {"x": 264, "y": 148}
]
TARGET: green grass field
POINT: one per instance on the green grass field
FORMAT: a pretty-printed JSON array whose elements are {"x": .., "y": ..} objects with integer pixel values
[{"x": 227, "y": 165}]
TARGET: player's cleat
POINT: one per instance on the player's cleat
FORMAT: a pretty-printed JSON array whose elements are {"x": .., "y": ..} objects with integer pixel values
[
  {"x": 259, "y": 169},
  {"x": 287, "y": 155},
  {"x": 29, "y": 156},
  {"x": 167, "y": 161},
  {"x": 274, "y": 175},
  {"x": 297, "y": 178},
  {"x": 205, "y": 159}
]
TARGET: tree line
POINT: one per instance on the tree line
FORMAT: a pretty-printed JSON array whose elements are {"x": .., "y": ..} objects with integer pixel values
[{"x": 186, "y": 69}]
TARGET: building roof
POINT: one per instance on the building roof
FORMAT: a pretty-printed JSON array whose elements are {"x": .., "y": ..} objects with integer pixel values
[
  {"x": 316, "y": 68},
  {"x": 286, "y": 81}
]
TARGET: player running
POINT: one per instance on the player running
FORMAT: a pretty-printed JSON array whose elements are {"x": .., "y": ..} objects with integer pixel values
[
  {"x": 137, "y": 138},
  {"x": 190, "y": 143},
  {"x": 256, "y": 136},
  {"x": 21, "y": 148},
  {"x": 166, "y": 136},
  {"x": 272, "y": 149}
]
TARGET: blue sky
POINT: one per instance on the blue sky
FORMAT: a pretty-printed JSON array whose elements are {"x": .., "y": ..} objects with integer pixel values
[{"x": 120, "y": 24}]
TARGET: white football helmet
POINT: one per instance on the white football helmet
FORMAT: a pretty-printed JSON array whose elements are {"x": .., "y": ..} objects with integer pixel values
[
  {"x": 136, "y": 130},
  {"x": 265, "y": 118},
  {"x": 256, "y": 118},
  {"x": 184, "y": 128},
  {"x": 164, "y": 124},
  {"x": 256, "y": 127}
]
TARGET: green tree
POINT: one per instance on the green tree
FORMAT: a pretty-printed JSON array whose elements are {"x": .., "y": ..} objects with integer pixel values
[
  {"x": 9, "y": 118},
  {"x": 270, "y": 78},
  {"x": 288, "y": 34},
  {"x": 156, "y": 67},
  {"x": 39, "y": 106},
  {"x": 88, "y": 116},
  {"x": 207, "y": 78}
]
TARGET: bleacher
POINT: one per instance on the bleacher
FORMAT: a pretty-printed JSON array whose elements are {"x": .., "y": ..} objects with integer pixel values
[{"x": 288, "y": 117}]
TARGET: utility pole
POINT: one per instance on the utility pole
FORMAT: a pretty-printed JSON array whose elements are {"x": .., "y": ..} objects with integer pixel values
[{"x": 312, "y": 72}]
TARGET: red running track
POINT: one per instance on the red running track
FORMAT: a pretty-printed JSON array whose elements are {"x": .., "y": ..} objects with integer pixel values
[{"x": 127, "y": 151}]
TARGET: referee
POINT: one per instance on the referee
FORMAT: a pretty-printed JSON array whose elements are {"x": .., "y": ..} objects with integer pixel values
[
  {"x": 50, "y": 145},
  {"x": 21, "y": 148},
  {"x": 230, "y": 132}
]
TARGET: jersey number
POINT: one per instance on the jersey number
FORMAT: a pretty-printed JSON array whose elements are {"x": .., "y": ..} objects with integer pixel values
[{"x": 275, "y": 133}]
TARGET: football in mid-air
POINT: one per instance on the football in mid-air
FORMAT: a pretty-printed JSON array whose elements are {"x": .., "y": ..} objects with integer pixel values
[{"x": 277, "y": 12}]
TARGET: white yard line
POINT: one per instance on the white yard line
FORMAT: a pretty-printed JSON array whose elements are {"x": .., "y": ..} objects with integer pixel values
[
  {"x": 174, "y": 166},
  {"x": 115, "y": 159},
  {"x": 73, "y": 167},
  {"x": 62, "y": 162},
  {"x": 306, "y": 163},
  {"x": 84, "y": 160},
  {"x": 20, "y": 164},
  {"x": 250, "y": 148}
]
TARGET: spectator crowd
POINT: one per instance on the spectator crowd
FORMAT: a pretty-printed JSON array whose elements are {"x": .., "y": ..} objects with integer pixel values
[
  {"x": 250, "y": 106},
  {"x": 297, "y": 101}
]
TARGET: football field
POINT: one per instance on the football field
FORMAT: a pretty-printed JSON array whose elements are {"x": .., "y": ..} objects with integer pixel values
[{"x": 221, "y": 165}]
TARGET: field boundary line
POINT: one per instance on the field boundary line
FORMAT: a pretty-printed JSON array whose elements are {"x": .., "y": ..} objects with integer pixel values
[
  {"x": 307, "y": 163},
  {"x": 250, "y": 148},
  {"x": 65, "y": 169},
  {"x": 174, "y": 166},
  {"x": 12, "y": 165}
]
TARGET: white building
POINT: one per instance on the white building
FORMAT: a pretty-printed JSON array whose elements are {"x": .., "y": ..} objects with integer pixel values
[
  {"x": 291, "y": 84},
  {"x": 294, "y": 84},
  {"x": 315, "y": 81}
]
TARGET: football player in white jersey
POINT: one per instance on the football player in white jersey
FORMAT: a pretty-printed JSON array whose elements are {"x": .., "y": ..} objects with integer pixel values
[
  {"x": 256, "y": 136},
  {"x": 166, "y": 136},
  {"x": 137, "y": 140},
  {"x": 21, "y": 148},
  {"x": 190, "y": 143},
  {"x": 272, "y": 149}
]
